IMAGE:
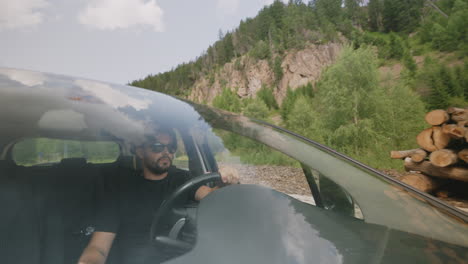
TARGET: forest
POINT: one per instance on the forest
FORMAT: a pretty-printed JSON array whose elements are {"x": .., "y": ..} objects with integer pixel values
[{"x": 352, "y": 108}]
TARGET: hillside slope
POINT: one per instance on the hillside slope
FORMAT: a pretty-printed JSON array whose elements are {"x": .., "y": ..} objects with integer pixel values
[{"x": 246, "y": 76}]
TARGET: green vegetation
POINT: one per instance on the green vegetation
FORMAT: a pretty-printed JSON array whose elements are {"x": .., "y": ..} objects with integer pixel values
[
  {"x": 252, "y": 152},
  {"x": 228, "y": 100},
  {"x": 354, "y": 114},
  {"x": 36, "y": 151},
  {"x": 260, "y": 51},
  {"x": 447, "y": 86},
  {"x": 256, "y": 108},
  {"x": 291, "y": 96},
  {"x": 277, "y": 69},
  {"x": 447, "y": 33},
  {"x": 266, "y": 95}
]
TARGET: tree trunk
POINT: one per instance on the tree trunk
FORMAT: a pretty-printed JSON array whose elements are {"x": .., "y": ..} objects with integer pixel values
[
  {"x": 420, "y": 182},
  {"x": 463, "y": 155},
  {"x": 432, "y": 139},
  {"x": 443, "y": 157},
  {"x": 416, "y": 155},
  {"x": 437, "y": 117},
  {"x": 427, "y": 168}
]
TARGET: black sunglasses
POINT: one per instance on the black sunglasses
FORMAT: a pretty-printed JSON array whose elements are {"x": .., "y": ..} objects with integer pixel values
[{"x": 158, "y": 148}]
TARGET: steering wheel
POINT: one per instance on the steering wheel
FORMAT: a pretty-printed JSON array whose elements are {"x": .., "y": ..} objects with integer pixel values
[{"x": 168, "y": 215}]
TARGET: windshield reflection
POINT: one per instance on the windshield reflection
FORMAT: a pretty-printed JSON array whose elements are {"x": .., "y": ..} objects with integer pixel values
[{"x": 57, "y": 106}]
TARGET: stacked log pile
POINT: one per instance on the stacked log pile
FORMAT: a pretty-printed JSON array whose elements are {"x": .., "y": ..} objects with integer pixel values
[{"x": 440, "y": 165}]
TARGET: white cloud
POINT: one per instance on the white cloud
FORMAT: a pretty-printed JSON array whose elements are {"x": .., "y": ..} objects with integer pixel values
[
  {"x": 63, "y": 120},
  {"x": 122, "y": 14},
  {"x": 27, "y": 78},
  {"x": 112, "y": 96},
  {"x": 227, "y": 7},
  {"x": 21, "y": 13}
]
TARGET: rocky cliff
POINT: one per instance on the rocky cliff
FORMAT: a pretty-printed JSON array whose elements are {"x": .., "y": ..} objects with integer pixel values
[{"x": 246, "y": 76}]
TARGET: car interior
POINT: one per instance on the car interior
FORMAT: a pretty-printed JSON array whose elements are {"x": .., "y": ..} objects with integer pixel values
[{"x": 48, "y": 209}]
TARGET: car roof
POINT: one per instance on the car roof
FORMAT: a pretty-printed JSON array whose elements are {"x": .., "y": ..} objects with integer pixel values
[{"x": 56, "y": 106}]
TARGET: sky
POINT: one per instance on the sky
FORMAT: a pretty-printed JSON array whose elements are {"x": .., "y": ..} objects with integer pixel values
[{"x": 116, "y": 41}]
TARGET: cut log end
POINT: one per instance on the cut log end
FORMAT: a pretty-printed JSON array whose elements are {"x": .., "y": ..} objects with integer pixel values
[
  {"x": 425, "y": 141},
  {"x": 443, "y": 158},
  {"x": 437, "y": 117},
  {"x": 463, "y": 155},
  {"x": 454, "y": 131},
  {"x": 432, "y": 139},
  {"x": 459, "y": 115}
]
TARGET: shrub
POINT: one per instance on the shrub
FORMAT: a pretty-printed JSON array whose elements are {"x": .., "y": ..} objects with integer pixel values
[
  {"x": 266, "y": 95},
  {"x": 277, "y": 69},
  {"x": 397, "y": 47},
  {"x": 227, "y": 100},
  {"x": 256, "y": 109},
  {"x": 288, "y": 104},
  {"x": 260, "y": 51}
]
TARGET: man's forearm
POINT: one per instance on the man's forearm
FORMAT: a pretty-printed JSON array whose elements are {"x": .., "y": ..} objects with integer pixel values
[
  {"x": 203, "y": 191},
  {"x": 98, "y": 248},
  {"x": 92, "y": 255}
]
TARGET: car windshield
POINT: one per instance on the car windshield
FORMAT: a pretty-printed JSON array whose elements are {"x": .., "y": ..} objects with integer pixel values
[{"x": 61, "y": 138}]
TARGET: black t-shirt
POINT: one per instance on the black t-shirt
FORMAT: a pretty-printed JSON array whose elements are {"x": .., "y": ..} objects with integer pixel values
[{"x": 126, "y": 207}]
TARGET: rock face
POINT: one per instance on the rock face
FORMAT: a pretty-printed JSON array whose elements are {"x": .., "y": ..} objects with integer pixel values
[
  {"x": 305, "y": 66},
  {"x": 246, "y": 76}
]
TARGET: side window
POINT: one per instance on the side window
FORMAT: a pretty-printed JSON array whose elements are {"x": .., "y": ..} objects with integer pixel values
[
  {"x": 44, "y": 151},
  {"x": 330, "y": 195},
  {"x": 181, "y": 159},
  {"x": 259, "y": 164}
]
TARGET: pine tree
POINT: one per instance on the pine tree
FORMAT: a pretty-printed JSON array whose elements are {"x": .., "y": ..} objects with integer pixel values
[
  {"x": 397, "y": 47},
  {"x": 409, "y": 63},
  {"x": 288, "y": 103},
  {"x": 329, "y": 10},
  {"x": 439, "y": 96},
  {"x": 457, "y": 26},
  {"x": 401, "y": 15},
  {"x": 439, "y": 37},
  {"x": 375, "y": 8},
  {"x": 352, "y": 9}
]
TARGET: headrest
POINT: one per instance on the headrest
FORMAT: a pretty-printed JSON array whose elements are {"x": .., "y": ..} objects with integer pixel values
[
  {"x": 130, "y": 162},
  {"x": 73, "y": 162},
  {"x": 7, "y": 164}
]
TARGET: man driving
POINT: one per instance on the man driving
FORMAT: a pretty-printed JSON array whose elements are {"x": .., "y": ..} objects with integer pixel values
[{"x": 125, "y": 211}]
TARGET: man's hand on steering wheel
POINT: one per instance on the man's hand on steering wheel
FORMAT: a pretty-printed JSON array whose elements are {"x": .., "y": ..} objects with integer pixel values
[{"x": 229, "y": 175}]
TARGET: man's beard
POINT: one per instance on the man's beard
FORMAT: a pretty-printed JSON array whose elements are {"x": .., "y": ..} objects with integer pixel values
[{"x": 155, "y": 168}]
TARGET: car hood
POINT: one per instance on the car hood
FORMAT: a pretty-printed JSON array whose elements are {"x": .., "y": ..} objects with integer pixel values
[{"x": 254, "y": 224}]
